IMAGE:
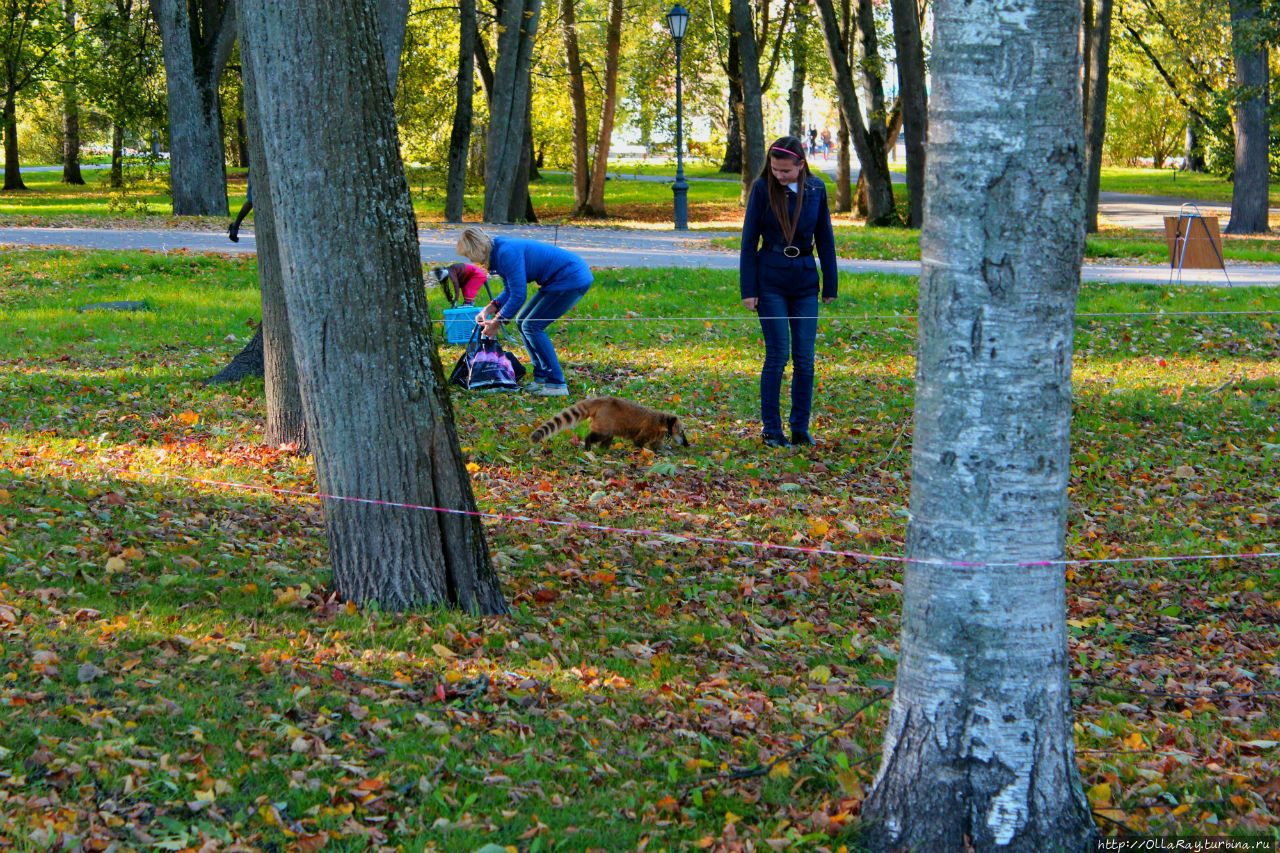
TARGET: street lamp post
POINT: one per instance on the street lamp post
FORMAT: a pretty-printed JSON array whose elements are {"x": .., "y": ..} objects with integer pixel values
[{"x": 677, "y": 20}]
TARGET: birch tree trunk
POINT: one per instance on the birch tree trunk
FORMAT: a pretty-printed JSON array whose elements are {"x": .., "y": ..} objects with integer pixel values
[
  {"x": 460, "y": 136},
  {"x": 752, "y": 119},
  {"x": 608, "y": 110},
  {"x": 978, "y": 751},
  {"x": 197, "y": 40},
  {"x": 1249, "y": 187},
  {"x": 581, "y": 174},
  {"x": 377, "y": 407},
  {"x": 509, "y": 109},
  {"x": 1097, "y": 78}
]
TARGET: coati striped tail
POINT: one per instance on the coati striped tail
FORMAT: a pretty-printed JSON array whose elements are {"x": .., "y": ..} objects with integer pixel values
[{"x": 572, "y": 416}]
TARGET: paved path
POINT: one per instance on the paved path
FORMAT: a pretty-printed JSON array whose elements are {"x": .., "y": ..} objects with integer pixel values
[{"x": 599, "y": 247}]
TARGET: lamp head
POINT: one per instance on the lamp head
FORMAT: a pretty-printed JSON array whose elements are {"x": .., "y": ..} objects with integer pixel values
[{"x": 677, "y": 20}]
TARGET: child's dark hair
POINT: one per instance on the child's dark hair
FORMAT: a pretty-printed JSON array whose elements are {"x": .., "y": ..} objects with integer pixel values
[{"x": 783, "y": 147}]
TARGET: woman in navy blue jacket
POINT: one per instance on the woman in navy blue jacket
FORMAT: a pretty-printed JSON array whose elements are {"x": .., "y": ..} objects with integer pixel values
[
  {"x": 786, "y": 224},
  {"x": 563, "y": 279}
]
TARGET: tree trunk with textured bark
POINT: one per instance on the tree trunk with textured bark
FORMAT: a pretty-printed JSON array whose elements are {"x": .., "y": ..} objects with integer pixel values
[
  {"x": 116, "y": 179},
  {"x": 12, "y": 168},
  {"x": 71, "y": 109},
  {"x": 377, "y": 406},
  {"x": 978, "y": 749},
  {"x": 868, "y": 142},
  {"x": 799, "y": 69},
  {"x": 197, "y": 40},
  {"x": 1095, "y": 107},
  {"x": 752, "y": 118},
  {"x": 913, "y": 103},
  {"x": 506, "y": 166},
  {"x": 463, "y": 114},
  {"x": 1249, "y": 186},
  {"x": 608, "y": 110},
  {"x": 581, "y": 171}
]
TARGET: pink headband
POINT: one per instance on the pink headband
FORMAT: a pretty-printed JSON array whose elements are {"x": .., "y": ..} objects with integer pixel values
[{"x": 786, "y": 151}]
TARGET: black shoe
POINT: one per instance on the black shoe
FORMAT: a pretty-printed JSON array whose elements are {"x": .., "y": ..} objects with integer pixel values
[
  {"x": 233, "y": 234},
  {"x": 776, "y": 440},
  {"x": 802, "y": 438}
]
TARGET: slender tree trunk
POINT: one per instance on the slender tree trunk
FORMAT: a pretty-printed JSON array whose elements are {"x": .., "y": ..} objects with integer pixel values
[
  {"x": 608, "y": 109},
  {"x": 286, "y": 421},
  {"x": 978, "y": 751},
  {"x": 844, "y": 169},
  {"x": 505, "y": 164},
  {"x": 913, "y": 102},
  {"x": 799, "y": 68},
  {"x": 117, "y": 156},
  {"x": 242, "y": 139},
  {"x": 378, "y": 409},
  {"x": 1095, "y": 108},
  {"x": 578, "y": 103},
  {"x": 460, "y": 136},
  {"x": 1249, "y": 186},
  {"x": 195, "y": 52},
  {"x": 872, "y": 156},
  {"x": 1193, "y": 150},
  {"x": 12, "y": 168},
  {"x": 71, "y": 110},
  {"x": 732, "y": 163},
  {"x": 753, "y": 141},
  {"x": 393, "y": 21}
]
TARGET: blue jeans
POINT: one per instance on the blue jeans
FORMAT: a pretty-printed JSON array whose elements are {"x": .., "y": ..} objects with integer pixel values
[
  {"x": 532, "y": 321},
  {"x": 789, "y": 325}
]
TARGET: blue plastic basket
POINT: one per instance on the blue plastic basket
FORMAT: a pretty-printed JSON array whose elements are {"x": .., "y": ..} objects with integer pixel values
[{"x": 459, "y": 323}]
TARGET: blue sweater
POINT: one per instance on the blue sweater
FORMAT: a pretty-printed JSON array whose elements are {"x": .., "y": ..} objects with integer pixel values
[
  {"x": 519, "y": 262},
  {"x": 761, "y": 264}
]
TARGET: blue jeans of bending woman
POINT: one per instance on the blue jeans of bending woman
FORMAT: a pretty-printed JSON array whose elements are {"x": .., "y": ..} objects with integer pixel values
[
  {"x": 790, "y": 326},
  {"x": 532, "y": 320}
]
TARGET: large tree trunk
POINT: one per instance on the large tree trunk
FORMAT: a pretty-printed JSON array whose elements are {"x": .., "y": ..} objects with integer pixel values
[
  {"x": 377, "y": 406},
  {"x": 1249, "y": 186},
  {"x": 578, "y": 103},
  {"x": 608, "y": 109},
  {"x": 844, "y": 170},
  {"x": 978, "y": 750},
  {"x": 870, "y": 148},
  {"x": 752, "y": 118},
  {"x": 1095, "y": 107},
  {"x": 913, "y": 102},
  {"x": 197, "y": 39},
  {"x": 71, "y": 109},
  {"x": 509, "y": 109},
  {"x": 12, "y": 169},
  {"x": 460, "y": 136}
]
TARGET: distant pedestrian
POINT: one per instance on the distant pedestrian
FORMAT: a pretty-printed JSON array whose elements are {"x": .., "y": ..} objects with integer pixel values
[
  {"x": 787, "y": 220},
  {"x": 826, "y": 143},
  {"x": 813, "y": 140},
  {"x": 563, "y": 279}
]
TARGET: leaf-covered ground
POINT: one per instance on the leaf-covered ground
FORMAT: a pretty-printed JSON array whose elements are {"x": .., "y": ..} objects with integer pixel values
[{"x": 176, "y": 674}]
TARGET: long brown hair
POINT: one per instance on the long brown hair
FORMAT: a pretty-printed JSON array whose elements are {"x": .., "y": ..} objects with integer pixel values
[{"x": 783, "y": 147}]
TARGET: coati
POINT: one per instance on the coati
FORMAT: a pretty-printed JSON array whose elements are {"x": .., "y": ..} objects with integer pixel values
[{"x": 612, "y": 417}]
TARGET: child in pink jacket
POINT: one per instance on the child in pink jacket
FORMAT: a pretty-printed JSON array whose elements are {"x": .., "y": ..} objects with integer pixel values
[{"x": 467, "y": 280}]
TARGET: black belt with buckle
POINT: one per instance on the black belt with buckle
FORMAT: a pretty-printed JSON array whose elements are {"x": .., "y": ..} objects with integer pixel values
[{"x": 791, "y": 251}]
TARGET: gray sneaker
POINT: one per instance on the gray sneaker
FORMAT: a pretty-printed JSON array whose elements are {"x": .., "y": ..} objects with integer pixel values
[
  {"x": 532, "y": 388},
  {"x": 552, "y": 391}
]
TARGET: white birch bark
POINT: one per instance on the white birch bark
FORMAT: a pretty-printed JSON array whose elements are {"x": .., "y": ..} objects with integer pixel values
[{"x": 979, "y": 747}]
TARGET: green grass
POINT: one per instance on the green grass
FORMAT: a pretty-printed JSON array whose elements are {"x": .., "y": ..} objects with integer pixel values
[
  {"x": 173, "y": 661},
  {"x": 1172, "y": 183}
]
